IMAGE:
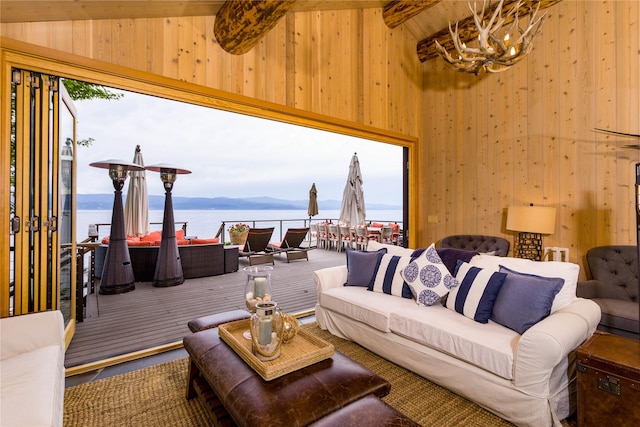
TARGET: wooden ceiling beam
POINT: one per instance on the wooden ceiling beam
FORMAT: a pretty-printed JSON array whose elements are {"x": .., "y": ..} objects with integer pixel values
[
  {"x": 240, "y": 24},
  {"x": 397, "y": 12},
  {"x": 467, "y": 28}
]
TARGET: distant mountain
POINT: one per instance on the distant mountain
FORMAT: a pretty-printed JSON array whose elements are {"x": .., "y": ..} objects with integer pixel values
[{"x": 105, "y": 202}]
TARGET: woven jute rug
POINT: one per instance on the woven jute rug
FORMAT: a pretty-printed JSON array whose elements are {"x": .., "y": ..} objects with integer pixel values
[{"x": 155, "y": 396}]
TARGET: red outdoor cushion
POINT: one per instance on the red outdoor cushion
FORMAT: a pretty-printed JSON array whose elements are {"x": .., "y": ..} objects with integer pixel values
[
  {"x": 138, "y": 243},
  {"x": 204, "y": 241},
  {"x": 152, "y": 237}
]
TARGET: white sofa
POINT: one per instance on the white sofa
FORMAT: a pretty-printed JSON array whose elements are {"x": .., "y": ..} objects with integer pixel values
[
  {"x": 526, "y": 379},
  {"x": 32, "y": 370}
]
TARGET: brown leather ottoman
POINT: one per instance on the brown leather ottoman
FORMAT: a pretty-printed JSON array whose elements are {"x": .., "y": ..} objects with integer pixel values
[
  {"x": 229, "y": 386},
  {"x": 213, "y": 320},
  {"x": 368, "y": 411}
]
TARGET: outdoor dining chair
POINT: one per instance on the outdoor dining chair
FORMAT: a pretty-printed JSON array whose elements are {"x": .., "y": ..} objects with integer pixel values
[
  {"x": 347, "y": 237},
  {"x": 386, "y": 235},
  {"x": 362, "y": 238},
  {"x": 323, "y": 236},
  {"x": 333, "y": 236}
]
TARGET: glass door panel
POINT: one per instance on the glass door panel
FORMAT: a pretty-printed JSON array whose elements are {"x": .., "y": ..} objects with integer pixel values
[
  {"x": 36, "y": 161},
  {"x": 66, "y": 203}
]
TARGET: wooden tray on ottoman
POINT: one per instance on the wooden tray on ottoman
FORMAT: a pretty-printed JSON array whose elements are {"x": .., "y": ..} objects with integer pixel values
[{"x": 305, "y": 349}]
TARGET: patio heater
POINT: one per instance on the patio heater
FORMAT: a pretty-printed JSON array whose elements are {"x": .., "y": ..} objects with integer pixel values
[
  {"x": 168, "y": 266},
  {"x": 117, "y": 273}
]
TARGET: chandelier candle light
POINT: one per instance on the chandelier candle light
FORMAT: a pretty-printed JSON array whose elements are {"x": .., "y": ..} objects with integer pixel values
[{"x": 498, "y": 47}]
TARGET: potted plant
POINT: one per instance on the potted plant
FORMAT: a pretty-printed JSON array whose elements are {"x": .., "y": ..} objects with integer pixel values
[{"x": 238, "y": 233}]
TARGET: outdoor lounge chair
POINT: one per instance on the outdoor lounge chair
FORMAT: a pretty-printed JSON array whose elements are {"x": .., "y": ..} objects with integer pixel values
[
  {"x": 255, "y": 248},
  {"x": 291, "y": 244}
]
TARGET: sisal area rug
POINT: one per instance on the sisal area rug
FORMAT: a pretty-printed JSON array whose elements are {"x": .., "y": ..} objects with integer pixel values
[{"x": 155, "y": 396}]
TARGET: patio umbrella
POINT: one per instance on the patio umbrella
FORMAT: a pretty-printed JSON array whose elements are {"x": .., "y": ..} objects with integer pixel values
[
  {"x": 136, "y": 208},
  {"x": 352, "y": 210},
  {"x": 312, "y": 210}
]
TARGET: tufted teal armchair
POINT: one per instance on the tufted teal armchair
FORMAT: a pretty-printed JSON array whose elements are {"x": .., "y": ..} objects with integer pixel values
[{"x": 614, "y": 287}]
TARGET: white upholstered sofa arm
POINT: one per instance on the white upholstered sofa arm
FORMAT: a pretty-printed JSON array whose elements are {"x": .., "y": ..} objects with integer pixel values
[
  {"x": 28, "y": 332},
  {"x": 547, "y": 343},
  {"x": 327, "y": 278}
]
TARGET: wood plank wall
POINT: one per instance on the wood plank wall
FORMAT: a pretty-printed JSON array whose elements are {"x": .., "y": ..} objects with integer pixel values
[
  {"x": 522, "y": 136},
  {"x": 313, "y": 61},
  {"x": 526, "y": 135}
]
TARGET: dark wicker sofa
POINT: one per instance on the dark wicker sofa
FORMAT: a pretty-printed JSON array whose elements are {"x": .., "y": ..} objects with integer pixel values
[{"x": 197, "y": 260}]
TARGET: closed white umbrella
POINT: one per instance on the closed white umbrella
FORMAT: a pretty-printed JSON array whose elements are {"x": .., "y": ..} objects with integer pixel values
[
  {"x": 352, "y": 210},
  {"x": 136, "y": 208}
]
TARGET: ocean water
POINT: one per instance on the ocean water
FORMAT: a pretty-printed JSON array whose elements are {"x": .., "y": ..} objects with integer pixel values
[{"x": 205, "y": 223}]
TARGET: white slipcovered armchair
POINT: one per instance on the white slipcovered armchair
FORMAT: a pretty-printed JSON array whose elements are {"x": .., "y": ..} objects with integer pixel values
[{"x": 32, "y": 371}]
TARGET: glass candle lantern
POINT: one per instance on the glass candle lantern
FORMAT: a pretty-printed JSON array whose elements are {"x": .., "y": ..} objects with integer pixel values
[
  {"x": 266, "y": 331},
  {"x": 258, "y": 286}
]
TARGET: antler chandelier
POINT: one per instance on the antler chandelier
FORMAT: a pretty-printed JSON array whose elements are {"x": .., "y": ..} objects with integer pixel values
[{"x": 498, "y": 46}]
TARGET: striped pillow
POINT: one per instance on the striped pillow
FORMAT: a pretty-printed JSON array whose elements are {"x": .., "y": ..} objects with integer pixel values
[
  {"x": 477, "y": 293},
  {"x": 387, "y": 278}
]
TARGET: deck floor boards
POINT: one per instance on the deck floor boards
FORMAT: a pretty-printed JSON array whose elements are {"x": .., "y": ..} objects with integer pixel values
[{"x": 148, "y": 316}]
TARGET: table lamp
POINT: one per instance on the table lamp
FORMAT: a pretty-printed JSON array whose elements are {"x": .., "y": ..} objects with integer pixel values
[{"x": 531, "y": 222}]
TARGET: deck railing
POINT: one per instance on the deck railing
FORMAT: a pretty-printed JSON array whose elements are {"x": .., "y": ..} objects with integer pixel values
[{"x": 278, "y": 224}]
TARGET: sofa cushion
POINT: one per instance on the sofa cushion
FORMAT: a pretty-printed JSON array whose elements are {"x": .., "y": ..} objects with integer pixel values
[
  {"x": 31, "y": 388},
  {"x": 374, "y": 245},
  {"x": 361, "y": 266},
  {"x": 451, "y": 256},
  {"x": 428, "y": 278},
  {"x": 618, "y": 314},
  {"x": 477, "y": 293},
  {"x": 387, "y": 278},
  {"x": 524, "y": 300},
  {"x": 371, "y": 308},
  {"x": 564, "y": 270},
  {"x": 489, "y": 346}
]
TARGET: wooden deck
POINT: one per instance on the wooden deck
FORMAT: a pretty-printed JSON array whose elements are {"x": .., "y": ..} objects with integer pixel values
[{"x": 148, "y": 316}]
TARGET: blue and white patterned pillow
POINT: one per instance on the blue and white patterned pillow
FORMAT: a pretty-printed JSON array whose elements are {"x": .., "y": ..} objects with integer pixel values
[
  {"x": 428, "y": 277},
  {"x": 477, "y": 293},
  {"x": 387, "y": 278}
]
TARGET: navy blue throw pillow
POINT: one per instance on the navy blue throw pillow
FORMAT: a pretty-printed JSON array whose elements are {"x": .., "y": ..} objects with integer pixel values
[{"x": 361, "y": 266}]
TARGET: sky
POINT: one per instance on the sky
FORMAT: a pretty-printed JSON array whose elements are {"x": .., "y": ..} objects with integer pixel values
[{"x": 229, "y": 154}]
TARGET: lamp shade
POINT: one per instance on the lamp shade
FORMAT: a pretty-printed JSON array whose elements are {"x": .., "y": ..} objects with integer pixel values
[{"x": 532, "y": 219}]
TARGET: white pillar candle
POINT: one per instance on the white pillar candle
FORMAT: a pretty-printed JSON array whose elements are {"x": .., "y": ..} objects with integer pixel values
[
  {"x": 264, "y": 331},
  {"x": 259, "y": 287}
]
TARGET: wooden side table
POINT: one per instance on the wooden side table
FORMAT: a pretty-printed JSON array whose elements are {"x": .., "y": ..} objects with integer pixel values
[{"x": 608, "y": 381}]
